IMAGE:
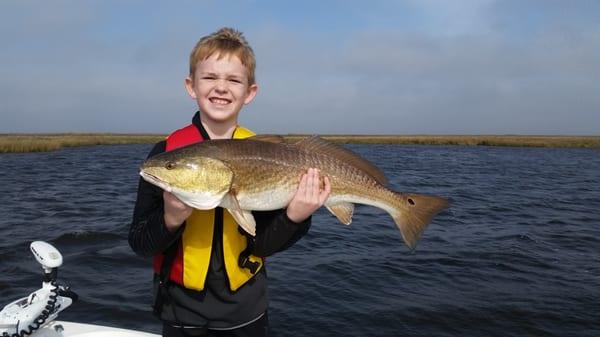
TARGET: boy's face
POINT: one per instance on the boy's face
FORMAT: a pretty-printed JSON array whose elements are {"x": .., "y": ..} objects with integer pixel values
[{"x": 220, "y": 87}]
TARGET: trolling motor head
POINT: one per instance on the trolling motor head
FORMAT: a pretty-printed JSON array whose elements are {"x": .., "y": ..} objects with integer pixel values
[
  {"x": 28, "y": 314},
  {"x": 49, "y": 257}
]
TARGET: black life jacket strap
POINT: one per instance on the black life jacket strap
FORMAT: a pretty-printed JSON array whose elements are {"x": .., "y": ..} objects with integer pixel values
[
  {"x": 162, "y": 295},
  {"x": 244, "y": 258}
]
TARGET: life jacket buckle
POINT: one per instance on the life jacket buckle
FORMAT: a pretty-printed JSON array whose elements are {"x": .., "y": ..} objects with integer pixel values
[{"x": 245, "y": 262}]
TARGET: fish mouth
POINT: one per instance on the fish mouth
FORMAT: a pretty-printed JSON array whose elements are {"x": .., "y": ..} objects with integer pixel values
[{"x": 154, "y": 180}]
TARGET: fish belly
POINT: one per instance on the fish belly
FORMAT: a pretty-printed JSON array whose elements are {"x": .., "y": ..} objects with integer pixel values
[{"x": 265, "y": 200}]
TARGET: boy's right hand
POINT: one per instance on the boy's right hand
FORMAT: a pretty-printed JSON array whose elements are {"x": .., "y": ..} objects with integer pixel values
[{"x": 176, "y": 212}]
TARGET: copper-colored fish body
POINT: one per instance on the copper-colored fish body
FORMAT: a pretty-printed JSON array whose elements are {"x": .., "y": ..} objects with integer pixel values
[{"x": 263, "y": 174}]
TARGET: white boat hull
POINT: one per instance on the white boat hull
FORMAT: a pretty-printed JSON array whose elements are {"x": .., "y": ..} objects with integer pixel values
[
  {"x": 46, "y": 303},
  {"x": 70, "y": 329}
]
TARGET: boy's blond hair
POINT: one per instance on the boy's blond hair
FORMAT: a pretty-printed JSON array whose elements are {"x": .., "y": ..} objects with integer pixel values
[{"x": 224, "y": 42}]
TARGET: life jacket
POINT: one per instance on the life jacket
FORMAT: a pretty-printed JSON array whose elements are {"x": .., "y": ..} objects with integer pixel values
[{"x": 191, "y": 261}]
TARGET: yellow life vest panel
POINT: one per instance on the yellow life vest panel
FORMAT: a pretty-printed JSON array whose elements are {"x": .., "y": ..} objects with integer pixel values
[{"x": 191, "y": 264}]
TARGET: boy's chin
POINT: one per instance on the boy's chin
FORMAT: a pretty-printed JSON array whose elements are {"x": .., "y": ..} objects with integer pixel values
[{"x": 221, "y": 116}]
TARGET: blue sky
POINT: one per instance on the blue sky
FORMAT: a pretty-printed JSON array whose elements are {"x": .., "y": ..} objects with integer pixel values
[{"x": 383, "y": 67}]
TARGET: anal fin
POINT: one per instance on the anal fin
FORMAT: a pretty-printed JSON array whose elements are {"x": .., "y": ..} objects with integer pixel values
[{"x": 343, "y": 211}]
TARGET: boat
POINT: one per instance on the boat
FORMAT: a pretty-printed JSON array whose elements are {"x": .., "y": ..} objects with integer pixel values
[{"x": 35, "y": 315}]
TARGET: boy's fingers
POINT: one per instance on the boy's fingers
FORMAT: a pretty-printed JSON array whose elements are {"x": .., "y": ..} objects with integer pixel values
[
  {"x": 310, "y": 188},
  {"x": 302, "y": 186},
  {"x": 326, "y": 184},
  {"x": 326, "y": 190},
  {"x": 303, "y": 179},
  {"x": 313, "y": 189}
]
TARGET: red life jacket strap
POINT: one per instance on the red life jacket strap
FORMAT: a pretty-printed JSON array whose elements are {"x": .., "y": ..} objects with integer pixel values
[
  {"x": 173, "y": 259},
  {"x": 184, "y": 136}
]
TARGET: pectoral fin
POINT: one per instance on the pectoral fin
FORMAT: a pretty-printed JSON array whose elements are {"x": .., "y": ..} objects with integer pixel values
[
  {"x": 343, "y": 211},
  {"x": 244, "y": 218}
]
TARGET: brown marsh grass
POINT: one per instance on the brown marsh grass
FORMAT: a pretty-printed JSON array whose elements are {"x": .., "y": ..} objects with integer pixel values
[
  {"x": 51, "y": 142},
  {"x": 468, "y": 140}
]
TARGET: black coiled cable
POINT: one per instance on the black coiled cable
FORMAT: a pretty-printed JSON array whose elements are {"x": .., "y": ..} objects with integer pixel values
[{"x": 42, "y": 317}]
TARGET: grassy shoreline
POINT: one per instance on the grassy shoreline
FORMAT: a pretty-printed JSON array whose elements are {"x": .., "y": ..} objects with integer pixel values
[
  {"x": 20, "y": 143},
  {"x": 11, "y": 143},
  {"x": 468, "y": 140}
]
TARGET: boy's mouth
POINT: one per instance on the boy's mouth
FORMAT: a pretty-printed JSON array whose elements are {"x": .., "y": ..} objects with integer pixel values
[{"x": 219, "y": 101}]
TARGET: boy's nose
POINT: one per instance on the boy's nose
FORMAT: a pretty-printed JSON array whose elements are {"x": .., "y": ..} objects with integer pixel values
[{"x": 221, "y": 85}]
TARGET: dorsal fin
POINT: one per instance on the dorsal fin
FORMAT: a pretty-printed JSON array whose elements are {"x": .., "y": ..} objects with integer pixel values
[
  {"x": 320, "y": 145},
  {"x": 269, "y": 138}
]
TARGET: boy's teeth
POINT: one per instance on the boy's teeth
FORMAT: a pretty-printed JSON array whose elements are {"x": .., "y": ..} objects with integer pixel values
[{"x": 219, "y": 101}]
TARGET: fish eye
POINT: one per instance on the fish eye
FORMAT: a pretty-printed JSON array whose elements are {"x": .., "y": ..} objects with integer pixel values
[{"x": 170, "y": 165}]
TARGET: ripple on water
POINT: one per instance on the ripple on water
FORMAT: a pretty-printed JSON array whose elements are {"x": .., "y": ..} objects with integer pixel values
[{"x": 516, "y": 255}]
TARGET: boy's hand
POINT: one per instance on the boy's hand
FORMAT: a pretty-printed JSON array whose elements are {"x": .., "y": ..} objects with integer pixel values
[
  {"x": 176, "y": 212},
  {"x": 309, "y": 197}
]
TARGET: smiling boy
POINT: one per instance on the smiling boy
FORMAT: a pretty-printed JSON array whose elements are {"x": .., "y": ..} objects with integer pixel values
[{"x": 210, "y": 277}]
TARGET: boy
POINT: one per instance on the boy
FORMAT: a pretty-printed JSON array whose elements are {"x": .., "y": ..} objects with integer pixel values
[{"x": 210, "y": 277}]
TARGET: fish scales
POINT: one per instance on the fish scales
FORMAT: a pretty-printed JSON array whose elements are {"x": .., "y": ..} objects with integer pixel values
[
  {"x": 281, "y": 164},
  {"x": 275, "y": 168},
  {"x": 253, "y": 174}
]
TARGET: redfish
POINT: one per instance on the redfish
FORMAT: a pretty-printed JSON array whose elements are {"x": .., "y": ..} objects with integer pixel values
[{"x": 262, "y": 173}]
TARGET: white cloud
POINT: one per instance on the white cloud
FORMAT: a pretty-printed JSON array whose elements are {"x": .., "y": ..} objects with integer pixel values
[{"x": 466, "y": 73}]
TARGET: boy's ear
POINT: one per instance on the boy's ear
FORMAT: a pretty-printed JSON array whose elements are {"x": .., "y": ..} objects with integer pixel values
[
  {"x": 252, "y": 90},
  {"x": 189, "y": 86}
]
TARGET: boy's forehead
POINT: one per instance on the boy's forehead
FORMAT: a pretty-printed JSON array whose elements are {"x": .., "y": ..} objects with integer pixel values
[{"x": 219, "y": 62}]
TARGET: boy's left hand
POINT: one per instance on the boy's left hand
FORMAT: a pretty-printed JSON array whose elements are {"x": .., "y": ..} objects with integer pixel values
[{"x": 309, "y": 197}]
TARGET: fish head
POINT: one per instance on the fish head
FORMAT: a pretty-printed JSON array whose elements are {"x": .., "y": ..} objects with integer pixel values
[{"x": 198, "y": 181}]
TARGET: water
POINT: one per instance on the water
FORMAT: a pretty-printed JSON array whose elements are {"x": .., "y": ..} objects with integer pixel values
[{"x": 518, "y": 254}]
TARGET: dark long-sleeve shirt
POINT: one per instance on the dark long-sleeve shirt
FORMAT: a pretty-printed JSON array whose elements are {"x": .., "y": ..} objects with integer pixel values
[{"x": 216, "y": 306}]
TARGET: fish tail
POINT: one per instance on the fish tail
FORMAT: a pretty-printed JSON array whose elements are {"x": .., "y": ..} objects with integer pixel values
[{"x": 413, "y": 212}]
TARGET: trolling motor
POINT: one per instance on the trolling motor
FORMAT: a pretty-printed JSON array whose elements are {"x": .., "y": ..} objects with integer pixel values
[{"x": 26, "y": 315}]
